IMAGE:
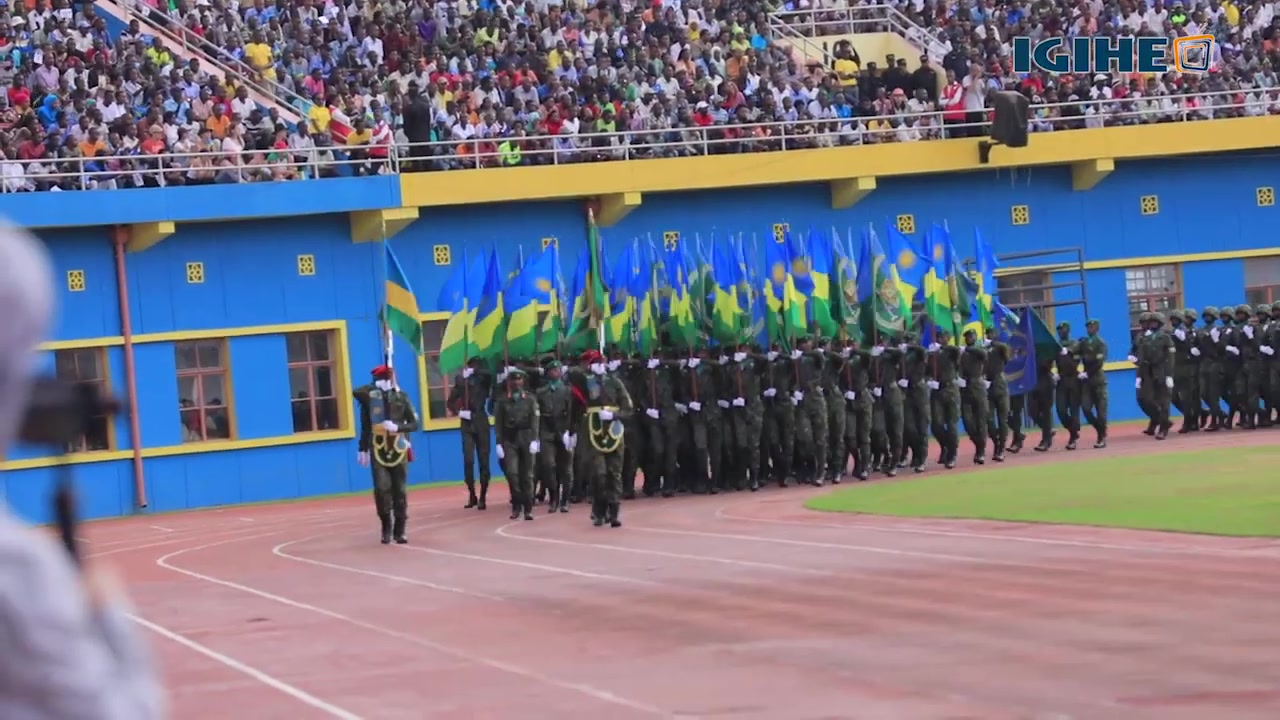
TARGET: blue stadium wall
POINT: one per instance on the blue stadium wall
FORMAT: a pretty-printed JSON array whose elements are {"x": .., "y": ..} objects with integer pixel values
[{"x": 1207, "y": 221}]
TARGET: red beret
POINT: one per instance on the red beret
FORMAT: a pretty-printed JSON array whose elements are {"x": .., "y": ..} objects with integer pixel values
[
  {"x": 382, "y": 372},
  {"x": 592, "y": 356}
]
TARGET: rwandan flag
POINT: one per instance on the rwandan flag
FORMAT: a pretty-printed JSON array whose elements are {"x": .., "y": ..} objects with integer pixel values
[{"x": 401, "y": 310}]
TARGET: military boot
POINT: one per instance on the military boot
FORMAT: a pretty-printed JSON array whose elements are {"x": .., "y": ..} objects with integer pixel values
[
  {"x": 398, "y": 530},
  {"x": 1073, "y": 441},
  {"x": 1213, "y": 423},
  {"x": 1151, "y": 428},
  {"x": 484, "y": 493},
  {"x": 1186, "y": 425},
  {"x": 1204, "y": 419},
  {"x": 516, "y": 506},
  {"x": 998, "y": 456},
  {"x": 1162, "y": 432},
  {"x": 1046, "y": 442},
  {"x": 555, "y": 500},
  {"x": 528, "y": 507},
  {"x": 564, "y": 502},
  {"x": 951, "y": 453},
  {"x": 614, "y": 509},
  {"x": 1016, "y": 447},
  {"x": 1228, "y": 419},
  {"x": 472, "y": 500},
  {"x": 386, "y": 529},
  {"x": 755, "y": 479},
  {"x": 597, "y": 513},
  {"x": 1246, "y": 421}
]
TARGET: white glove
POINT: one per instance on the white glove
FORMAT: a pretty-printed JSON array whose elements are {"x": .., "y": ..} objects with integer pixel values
[
  {"x": 1215, "y": 334},
  {"x": 1195, "y": 352},
  {"x": 902, "y": 347},
  {"x": 573, "y": 442},
  {"x": 1267, "y": 350},
  {"x": 1055, "y": 379},
  {"x": 797, "y": 396},
  {"x": 934, "y": 347},
  {"x": 1133, "y": 359},
  {"x": 502, "y": 376},
  {"x": 1082, "y": 375},
  {"x": 653, "y": 363},
  {"x": 794, "y": 401},
  {"x": 739, "y": 356},
  {"x": 986, "y": 384},
  {"x": 599, "y": 368},
  {"x": 1138, "y": 383},
  {"x": 390, "y": 426},
  {"x": 535, "y": 447},
  {"x": 606, "y": 415},
  {"x": 1248, "y": 331},
  {"x": 613, "y": 365},
  {"x": 846, "y": 352},
  {"x": 1168, "y": 382},
  {"x": 876, "y": 392},
  {"x": 795, "y": 354},
  {"x": 695, "y": 407},
  {"x": 724, "y": 360},
  {"x": 1149, "y": 333},
  {"x": 933, "y": 385},
  {"x": 850, "y": 395},
  {"x": 964, "y": 348},
  {"x": 653, "y": 413},
  {"x": 1180, "y": 334},
  {"x": 723, "y": 403},
  {"x": 567, "y": 440},
  {"x": 1065, "y": 352},
  {"x": 771, "y": 355},
  {"x": 684, "y": 363},
  {"x": 695, "y": 362},
  {"x": 877, "y": 351},
  {"x": 502, "y": 454},
  {"x": 363, "y": 459},
  {"x": 468, "y": 372},
  {"x": 961, "y": 382},
  {"x": 739, "y": 402},
  {"x": 904, "y": 383},
  {"x": 509, "y": 369},
  {"x": 1233, "y": 349},
  {"x": 682, "y": 408},
  {"x": 464, "y": 414},
  {"x": 770, "y": 392},
  {"x": 986, "y": 342}
]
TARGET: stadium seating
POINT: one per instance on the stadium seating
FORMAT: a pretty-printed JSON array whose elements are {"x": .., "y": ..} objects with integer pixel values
[{"x": 145, "y": 94}]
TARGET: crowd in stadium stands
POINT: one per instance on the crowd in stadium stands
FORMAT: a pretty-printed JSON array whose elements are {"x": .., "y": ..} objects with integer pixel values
[{"x": 500, "y": 82}]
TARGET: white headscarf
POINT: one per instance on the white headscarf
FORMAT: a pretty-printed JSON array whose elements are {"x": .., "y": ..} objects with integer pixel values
[{"x": 26, "y": 295}]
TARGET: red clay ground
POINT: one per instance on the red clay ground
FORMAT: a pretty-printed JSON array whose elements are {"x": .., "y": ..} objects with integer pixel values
[{"x": 744, "y": 606}]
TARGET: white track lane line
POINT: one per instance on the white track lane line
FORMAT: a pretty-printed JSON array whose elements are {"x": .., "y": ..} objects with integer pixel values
[
  {"x": 511, "y": 668},
  {"x": 535, "y": 566}
]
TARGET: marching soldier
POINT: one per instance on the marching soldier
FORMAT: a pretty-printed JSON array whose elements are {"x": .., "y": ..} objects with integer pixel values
[
  {"x": 1269, "y": 348},
  {"x": 1231, "y": 365},
  {"x": 998, "y": 356},
  {"x": 605, "y": 406},
  {"x": 855, "y": 381},
  {"x": 1092, "y": 350},
  {"x": 915, "y": 416},
  {"x": 780, "y": 413},
  {"x": 747, "y": 411},
  {"x": 945, "y": 397},
  {"x": 386, "y": 419},
  {"x": 698, "y": 396},
  {"x": 1263, "y": 314},
  {"x": 837, "y": 457},
  {"x": 1155, "y": 376},
  {"x": 1041, "y": 402},
  {"x": 1209, "y": 350},
  {"x": 973, "y": 394},
  {"x": 886, "y": 389},
  {"x": 660, "y": 424},
  {"x": 515, "y": 416},
  {"x": 1186, "y": 370},
  {"x": 471, "y": 388},
  {"x": 555, "y": 461},
  {"x": 811, "y": 413},
  {"x": 1135, "y": 352},
  {"x": 1067, "y": 390}
]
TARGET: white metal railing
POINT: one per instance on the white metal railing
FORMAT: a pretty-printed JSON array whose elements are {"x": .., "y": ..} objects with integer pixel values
[
  {"x": 249, "y": 166},
  {"x": 819, "y": 23},
  {"x": 290, "y": 105}
]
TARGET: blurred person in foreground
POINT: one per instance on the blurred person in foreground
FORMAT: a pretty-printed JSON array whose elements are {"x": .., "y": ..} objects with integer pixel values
[{"x": 67, "y": 648}]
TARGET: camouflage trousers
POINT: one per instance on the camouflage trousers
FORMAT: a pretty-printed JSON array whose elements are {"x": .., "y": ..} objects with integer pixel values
[
  {"x": 661, "y": 443},
  {"x": 555, "y": 468},
  {"x": 975, "y": 413},
  {"x": 1210, "y": 386},
  {"x": 1093, "y": 404},
  {"x": 811, "y": 432},
  {"x": 703, "y": 454},
  {"x": 1067, "y": 399},
  {"x": 998, "y": 426},
  {"x": 1186, "y": 395},
  {"x": 475, "y": 453},
  {"x": 389, "y": 496},
  {"x": 916, "y": 413},
  {"x": 837, "y": 455},
  {"x": 603, "y": 472},
  {"x": 779, "y": 431},
  {"x": 857, "y": 430},
  {"x": 945, "y": 416}
]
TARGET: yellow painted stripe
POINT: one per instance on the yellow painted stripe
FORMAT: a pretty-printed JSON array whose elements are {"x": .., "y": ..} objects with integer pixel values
[
  {"x": 1142, "y": 261},
  {"x": 402, "y": 300}
]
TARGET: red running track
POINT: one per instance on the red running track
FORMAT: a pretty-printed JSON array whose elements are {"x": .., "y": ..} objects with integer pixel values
[{"x": 741, "y": 605}]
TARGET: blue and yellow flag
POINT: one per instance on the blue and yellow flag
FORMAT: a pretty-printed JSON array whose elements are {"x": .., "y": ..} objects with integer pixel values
[
  {"x": 460, "y": 296},
  {"x": 490, "y": 315},
  {"x": 908, "y": 263},
  {"x": 401, "y": 308},
  {"x": 884, "y": 308},
  {"x": 822, "y": 310}
]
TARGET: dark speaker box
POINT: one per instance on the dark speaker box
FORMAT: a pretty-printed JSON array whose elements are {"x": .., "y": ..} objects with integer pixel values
[{"x": 1009, "y": 125}]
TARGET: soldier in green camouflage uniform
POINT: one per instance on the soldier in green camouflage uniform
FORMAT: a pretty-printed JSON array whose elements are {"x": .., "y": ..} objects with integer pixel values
[
  {"x": 836, "y": 462},
  {"x": 386, "y": 419},
  {"x": 746, "y": 413},
  {"x": 1092, "y": 350},
  {"x": 1186, "y": 370},
  {"x": 855, "y": 381},
  {"x": 944, "y": 397},
  {"x": 1271, "y": 348},
  {"x": 1231, "y": 364},
  {"x": 973, "y": 383},
  {"x": 886, "y": 374},
  {"x": 1067, "y": 390},
  {"x": 998, "y": 356},
  {"x": 1263, "y": 314},
  {"x": 515, "y": 419},
  {"x": 780, "y": 413},
  {"x": 1249, "y": 379},
  {"x": 1209, "y": 351},
  {"x": 1135, "y": 352},
  {"x": 555, "y": 462},
  {"x": 811, "y": 413},
  {"x": 624, "y": 368},
  {"x": 659, "y": 439},
  {"x": 698, "y": 395},
  {"x": 471, "y": 388},
  {"x": 595, "y": 388},
  {"x": 915, "y": 415},
  {"x": 1155, "y": 373}
]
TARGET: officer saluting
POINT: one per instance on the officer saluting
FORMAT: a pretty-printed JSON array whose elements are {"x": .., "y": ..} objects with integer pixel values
[{"x": 386, "y": 419}]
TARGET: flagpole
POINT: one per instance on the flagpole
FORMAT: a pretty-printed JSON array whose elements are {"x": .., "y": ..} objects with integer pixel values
[{"x": 594, "y": 252}]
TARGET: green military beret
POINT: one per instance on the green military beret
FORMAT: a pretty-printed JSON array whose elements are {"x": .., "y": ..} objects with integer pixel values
[
  {"x": 1145, "y": 317},
  {"x": 1158, "y": 317},
  {"x": 1064, "y": 326},
  {"x": 1263, "y": 309},
  {"x": 550, "y": 364},
  {"x": 1226, "y": 310},
  {"x": 516, "y": 373},
  {"x": 969, "y": 332},
  {"x": 1244, "y": 309},
  {"x": 1190, "y": 314},
  {"x": 1211, "y": 311},
  {"x": 1092, "y": 322}
]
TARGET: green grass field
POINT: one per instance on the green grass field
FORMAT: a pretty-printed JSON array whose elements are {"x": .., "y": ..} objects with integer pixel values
[{"x": 1233, "y": 491}]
